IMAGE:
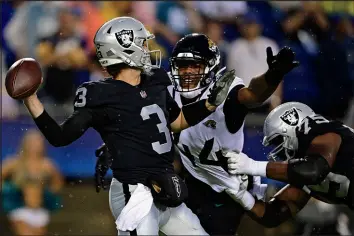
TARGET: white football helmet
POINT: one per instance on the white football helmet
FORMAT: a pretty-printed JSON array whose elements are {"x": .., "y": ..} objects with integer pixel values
[
  {"x": 280, "y": 129},
  {"x": 122, "y": 40}
]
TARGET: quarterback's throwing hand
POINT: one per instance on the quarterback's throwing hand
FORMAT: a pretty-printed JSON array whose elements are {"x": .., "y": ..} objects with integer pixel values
[{"x": 220, "y": 90}]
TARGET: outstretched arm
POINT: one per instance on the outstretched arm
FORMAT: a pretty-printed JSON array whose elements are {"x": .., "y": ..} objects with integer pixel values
[
  {"x": 194, "y": 113},
  {"x": 311, "y": 169},
  {"x": 58, "y": 135},
  {"x": 191, "y": 114},
  {"x": 263, "y": 86}
]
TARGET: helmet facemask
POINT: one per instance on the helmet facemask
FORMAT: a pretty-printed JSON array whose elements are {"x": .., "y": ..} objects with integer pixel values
[
  {"x": 145, "y": 60},
  {"x": 285, "y": 147},
  {"x": 191, "y": 74},
  {"x": 281, "y": 129}
]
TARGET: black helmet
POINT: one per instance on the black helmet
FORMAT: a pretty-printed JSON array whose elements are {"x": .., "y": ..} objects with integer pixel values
[{"x": 194, "y": 49}]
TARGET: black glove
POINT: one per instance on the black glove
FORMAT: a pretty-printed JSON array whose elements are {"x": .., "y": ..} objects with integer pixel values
[
  {"x": 280, "y": 64},
  {"x": 104, "y": 162},
  {"x": 220, "y": 90}
]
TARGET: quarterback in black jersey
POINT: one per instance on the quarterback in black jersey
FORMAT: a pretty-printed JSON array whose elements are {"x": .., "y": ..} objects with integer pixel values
[
  {"x": 313, "y": 154},
  {"x": 134, "y": 114}
]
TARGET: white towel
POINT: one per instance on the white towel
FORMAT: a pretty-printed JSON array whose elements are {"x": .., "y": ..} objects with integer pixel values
[{"x": 138, "y": 207}]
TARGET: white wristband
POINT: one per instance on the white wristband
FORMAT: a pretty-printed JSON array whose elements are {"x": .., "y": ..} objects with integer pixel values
[
  {"x": 248, "y": 201},
  {"x": 259, "y": 168}
]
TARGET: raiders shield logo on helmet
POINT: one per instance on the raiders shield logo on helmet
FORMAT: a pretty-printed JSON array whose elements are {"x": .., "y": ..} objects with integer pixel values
[
  {"x": 291, "y": 117},
  {"x": 125, "y": 38}
]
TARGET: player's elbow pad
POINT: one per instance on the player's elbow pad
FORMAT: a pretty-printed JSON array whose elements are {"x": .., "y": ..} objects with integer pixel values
[
  {"x": 276, "y": 212},
  {"x": 309, "y": 170}
]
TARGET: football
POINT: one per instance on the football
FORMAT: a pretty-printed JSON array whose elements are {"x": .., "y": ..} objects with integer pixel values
[{"x": 23, "y": 78}]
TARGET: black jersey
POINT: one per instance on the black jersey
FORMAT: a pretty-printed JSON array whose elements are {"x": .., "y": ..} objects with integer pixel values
[
  {"x": 134, "y": 122},
  {"x": 336, "y": 188}
]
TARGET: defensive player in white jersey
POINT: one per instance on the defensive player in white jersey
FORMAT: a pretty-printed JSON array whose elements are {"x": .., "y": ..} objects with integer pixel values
[{"x": 195, "y": 66}]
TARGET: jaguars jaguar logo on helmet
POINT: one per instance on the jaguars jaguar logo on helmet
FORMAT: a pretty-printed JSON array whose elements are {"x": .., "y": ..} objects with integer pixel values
[{"x": 212, "y": 45}]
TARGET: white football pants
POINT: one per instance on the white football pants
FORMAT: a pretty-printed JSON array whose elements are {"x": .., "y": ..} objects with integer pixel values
[{"x": 171, "y": 221}]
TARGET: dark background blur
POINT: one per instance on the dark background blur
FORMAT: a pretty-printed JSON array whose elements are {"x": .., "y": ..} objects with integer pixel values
[{"x": 60, "y": 36}]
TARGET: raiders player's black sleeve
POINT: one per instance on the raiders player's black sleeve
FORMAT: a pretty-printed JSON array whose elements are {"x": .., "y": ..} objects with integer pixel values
[
  {"x": 72, "y": 128},
  {"x": 161, "y": 77},
  {"x": 234, "y": 111},
  {"x": 69, "y": 131},
  {"x": 314, "y": 126},
  {"x": 173, "y": 108}
]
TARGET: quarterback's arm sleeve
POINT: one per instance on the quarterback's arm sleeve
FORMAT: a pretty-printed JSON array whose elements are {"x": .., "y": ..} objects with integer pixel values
[{"x": 67, "y": 132}]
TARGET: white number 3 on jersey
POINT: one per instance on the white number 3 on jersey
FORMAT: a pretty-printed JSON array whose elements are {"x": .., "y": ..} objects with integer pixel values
[
  {"x": 81, "y": 97},
  {"x": 162, "y": 127}
]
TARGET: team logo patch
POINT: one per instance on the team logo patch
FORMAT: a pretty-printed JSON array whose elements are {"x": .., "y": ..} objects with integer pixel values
[
  {"x": 143, "y": 94},
  {"x": 125, "y": 38},
  {"x": 210, "y": 124},
  {"x": 291, "y": 117},
  {"x": 212, "y": 45},
  {"x": 177, "y": 186}
]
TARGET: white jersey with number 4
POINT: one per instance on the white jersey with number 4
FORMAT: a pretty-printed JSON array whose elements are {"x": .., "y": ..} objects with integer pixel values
[{"x": 201, "y": 147}]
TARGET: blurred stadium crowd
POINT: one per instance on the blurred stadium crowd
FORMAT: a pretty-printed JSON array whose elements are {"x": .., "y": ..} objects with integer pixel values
[{"x": 60, "y": 34}]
